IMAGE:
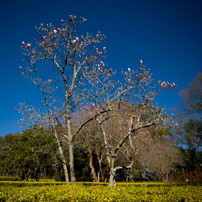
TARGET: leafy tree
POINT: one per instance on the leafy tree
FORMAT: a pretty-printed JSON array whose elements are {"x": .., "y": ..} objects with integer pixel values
[
  {"x": 6, "y": 144},
  {"x": 189, "y": 137},
  {"x": 28, "y": 155}
]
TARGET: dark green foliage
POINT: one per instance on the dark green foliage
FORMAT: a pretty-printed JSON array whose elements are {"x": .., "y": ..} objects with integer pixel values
[
  {"x": 82, "y": 169},
  {"x": 9, "y": 178},
  {"x": 189, "y": 137},
  {"x": 28, "y": 155},
  {"x": 33, "y": 155}
]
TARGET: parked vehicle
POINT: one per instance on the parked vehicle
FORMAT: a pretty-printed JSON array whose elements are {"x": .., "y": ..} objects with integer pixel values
[{"x": 120, "y": 177}]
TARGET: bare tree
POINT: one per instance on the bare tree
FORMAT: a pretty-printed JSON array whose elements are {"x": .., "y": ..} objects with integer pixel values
[
  {"x": 62, "y": 85},
  {"x": 90, "y": 140},
  {"x": 159, "y": 155},
  {"x": 142, "y": 116},
  {"x": 191, "y": 97},
  {"x": 78, "y": 75}
]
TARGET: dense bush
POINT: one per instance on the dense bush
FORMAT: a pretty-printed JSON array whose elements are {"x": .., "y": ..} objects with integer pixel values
[{"x": 101, "y": 193}]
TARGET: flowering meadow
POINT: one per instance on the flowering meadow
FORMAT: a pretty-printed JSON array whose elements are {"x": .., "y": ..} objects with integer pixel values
[{"x": 81, "y": 192}]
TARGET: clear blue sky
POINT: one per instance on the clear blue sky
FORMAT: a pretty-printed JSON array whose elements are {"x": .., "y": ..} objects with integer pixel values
[{"x": 165, "y": 34}]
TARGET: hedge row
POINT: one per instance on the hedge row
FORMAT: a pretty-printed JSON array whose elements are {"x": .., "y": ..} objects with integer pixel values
[
  {"x": 101, "y": 193},
  {"x": 52, "y": 182},
  {"x": 28, "y": 183},
  {"x": 10, "y": 178}
]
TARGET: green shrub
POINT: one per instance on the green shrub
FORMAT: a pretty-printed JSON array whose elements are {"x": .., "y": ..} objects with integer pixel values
[
  {"x": 10, "y": 178},
  {"x": 101, "y": 193},
  {"x": 47, "y": 180}
]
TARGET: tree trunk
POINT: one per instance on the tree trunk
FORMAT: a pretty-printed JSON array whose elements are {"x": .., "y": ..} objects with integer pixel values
[
  {"x": 98, "y": 176},
  {"x": 71, "y": 163},
  {"x": 167, "y": 175},
  {"x": 100, "y": 165},
  {"x": 111, "y": 179},
  {"x": 112, "y": 172},
  {"x": 64, "y": 164},
  {"x": 66, "y": 172},
  {"x": 71, "y": 151},
  {"x": 100, "y": 172},
  {"x": 91, "y": 165}
]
